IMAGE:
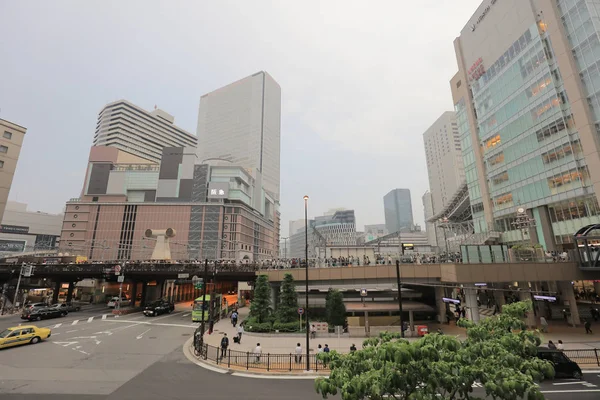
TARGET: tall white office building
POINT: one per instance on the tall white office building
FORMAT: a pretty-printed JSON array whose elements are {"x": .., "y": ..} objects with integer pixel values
[
  {"x": 136, "y": 131},
  {"x": 241, "y": 123},
  {"x": 444, "y": 160}
]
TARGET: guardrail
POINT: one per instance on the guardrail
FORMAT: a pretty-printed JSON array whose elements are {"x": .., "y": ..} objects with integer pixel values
[{"x": 584, "y": 356}]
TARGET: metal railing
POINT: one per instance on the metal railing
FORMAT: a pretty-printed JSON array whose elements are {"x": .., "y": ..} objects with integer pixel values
[
  {"x": 584, "y": 356},
  {"x": 249, "y": 360}
]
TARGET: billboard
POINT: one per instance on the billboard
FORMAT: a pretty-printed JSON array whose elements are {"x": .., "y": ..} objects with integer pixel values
[
  {"x": 218, "y": 190},
  {"x": 14, "y": 229},
  {"x": 12, "y": 245}
]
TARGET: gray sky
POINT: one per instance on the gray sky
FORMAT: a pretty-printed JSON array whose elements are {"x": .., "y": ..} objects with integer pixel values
[{"x": 361, "y": 82}]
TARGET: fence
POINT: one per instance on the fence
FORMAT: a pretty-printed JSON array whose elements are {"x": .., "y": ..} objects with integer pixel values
[{"x": 584, "y": 356}]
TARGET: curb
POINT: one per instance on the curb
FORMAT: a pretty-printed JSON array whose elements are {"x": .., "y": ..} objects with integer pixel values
[{"x": 187, "y": 351}]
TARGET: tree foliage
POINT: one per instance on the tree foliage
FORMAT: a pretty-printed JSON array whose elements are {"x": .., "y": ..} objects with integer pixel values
[
  {"x": 335, "y": 308},
  {"x": 287, "y": 311},
  {"x": 498, "y": 354},
  {"x": 260, "y": 307}
]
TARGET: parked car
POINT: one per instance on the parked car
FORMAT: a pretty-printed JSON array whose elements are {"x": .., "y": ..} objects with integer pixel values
[
  {"x": 31, "y": 306},
  {"x": 564, "y": 367},
  {"x": 159, "y": 307},
  {"x": 24, "y": 334},
  {"x": 38, "y": 314},
  {"x": 68, "y": 307},
  {"x": 112, "y": 303}
]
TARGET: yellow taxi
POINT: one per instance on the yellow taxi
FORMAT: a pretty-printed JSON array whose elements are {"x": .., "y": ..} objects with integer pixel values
[{"x": 22, "y": 335}]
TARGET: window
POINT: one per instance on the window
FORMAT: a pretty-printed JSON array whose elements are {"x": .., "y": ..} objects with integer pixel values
[
  {"x": 7, "y": 135},
  {"x": 3, "y": 149},
  {"x": 1, "y": 164}
]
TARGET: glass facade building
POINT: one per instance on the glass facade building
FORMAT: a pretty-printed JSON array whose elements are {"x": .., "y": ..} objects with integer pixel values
[
  {"x": 528, "y": 132},
  {"x": 397, "y": 207}
]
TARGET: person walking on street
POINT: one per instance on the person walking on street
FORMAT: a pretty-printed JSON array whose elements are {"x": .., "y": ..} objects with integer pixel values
[
  {"x": 257, "y": 352},
  {"x": 224, "y": 345},
  {"x": 551, "y": 345},
  {"x": 313, "y": 331},
  {"x": 326, "y": 349},
  {"x": 588, "y": 326},
  {"x": 560, "y": 346},
  {"x": 240, "y": 332},
  {"x": 298, "y": 356},
  {"x": 234, "y": 318},
  {"x": 352, "y": 348}
]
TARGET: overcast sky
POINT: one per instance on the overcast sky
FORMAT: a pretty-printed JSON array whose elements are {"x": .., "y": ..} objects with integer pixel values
[{"x": 361, "y": 81}]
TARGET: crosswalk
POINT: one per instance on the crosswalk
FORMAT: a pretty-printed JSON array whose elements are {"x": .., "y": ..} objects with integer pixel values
[{"x": 82, "y": 321}]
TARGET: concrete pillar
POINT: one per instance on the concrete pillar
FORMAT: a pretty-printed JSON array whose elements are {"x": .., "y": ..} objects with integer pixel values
[
  {"x": 367, "y": 330},
  {"x": 568, "y": 296},
  {"x": 597, "y": 288},
  {"x": 471, "y": 304},
  {"x": 275, "y": 296},
  {"x": 499, "y": 298},
  {"x": 441, "y": 306},
  {"x": 144, "y": 292},
  {"x": 57, "y": 286},
  {"x": 411, "y": 321},
  {"x": 525, "y": 294},
  {"x": 70, "y": 291}
]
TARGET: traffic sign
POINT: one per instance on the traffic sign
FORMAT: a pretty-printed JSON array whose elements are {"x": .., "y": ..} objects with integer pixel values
[
  {"x": 300, "y": 310},
  {"x": 121, "y": 279},
  {"x": 363, "y": 292},
  {"x": 117, "y": 269},
  {"x": 198, "y": 285}
]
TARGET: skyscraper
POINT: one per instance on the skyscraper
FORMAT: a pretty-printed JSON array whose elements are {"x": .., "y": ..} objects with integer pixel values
[
  {"x": 398, "y": 210},
  {"x": 528, "y": 112},
  {"x": 429, "y": 226},
  {"x": 444, "y": 160},
  {"x": 241, "y": 123},
  {"x": 136, "y": 131},
  {"x": 10, "y": 149}
]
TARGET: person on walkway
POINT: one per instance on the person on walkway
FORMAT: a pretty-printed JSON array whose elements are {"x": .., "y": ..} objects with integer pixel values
[
  {"x": 588, "y": 326},
  {"x": 551, "y": 345},
  {"x": 257, "y": 352},
  {"x": 224, "y": 345},
  {"x": 560, "y": 346},
  {"x": 544, "y": 324},
  {"x": 234, "y": 318},
  {"x": 326, "y": 349},
  {"x": 313, "y": 331},
  {"x": 298, "y": 356},
  {"x": 240, "y": 332},
  {"x": 352, "y": 348}
]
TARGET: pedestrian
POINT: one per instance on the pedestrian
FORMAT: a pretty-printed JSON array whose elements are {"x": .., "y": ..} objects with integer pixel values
[
  {"x": 464, "y": 312},
  {"x": 224, "y": 345},
  {"x": 544, "y": 324},
  {"x": 298, "y": 356},
  {"x": 234, "y": 318},
  {"x": 257, "y": 352},
  {"x": 588, "y": 326},
  {"x": 352, "y": 348},
  {"x": 551, "y": 345},
  {"x": 560, "y": 346},
  {"x": 313, "y": 331},
  {"x": 240, "y": 332},
  {"x": 326, "y": 349}
]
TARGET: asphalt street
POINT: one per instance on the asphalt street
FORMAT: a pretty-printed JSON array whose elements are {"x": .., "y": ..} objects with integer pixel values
[{"x": 90, "y": 357}]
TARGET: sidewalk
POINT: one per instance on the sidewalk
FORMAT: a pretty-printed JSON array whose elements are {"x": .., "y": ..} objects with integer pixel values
[{"x": 573, "y": 338}]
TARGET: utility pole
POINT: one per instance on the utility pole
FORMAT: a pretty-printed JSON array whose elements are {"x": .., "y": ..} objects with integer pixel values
[
  {"x": 399, "y": 295},
  {"x": 202, "y": 324},
  {"x": 121, "y": 278},
  {"x": 17, "y": 289}
]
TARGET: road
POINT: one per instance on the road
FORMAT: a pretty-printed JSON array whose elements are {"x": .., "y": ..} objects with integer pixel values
[{"x": 134, "y": 357}]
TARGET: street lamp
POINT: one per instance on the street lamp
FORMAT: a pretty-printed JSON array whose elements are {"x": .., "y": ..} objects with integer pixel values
[{"x": 306, "y": 268}]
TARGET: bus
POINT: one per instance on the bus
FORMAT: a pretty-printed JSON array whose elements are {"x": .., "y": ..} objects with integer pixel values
[{"x": 199, "y": 305}]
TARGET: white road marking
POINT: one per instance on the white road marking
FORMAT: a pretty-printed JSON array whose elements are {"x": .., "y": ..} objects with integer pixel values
[
  {"x": 74, "y": 330},
  {"x": 185, "y": 315},
  {"x": 157, "y": 324},
  {"x": 56, "y": 326},
  {"x": 65, "y": 344},
  {"x": 88, "y": 337},
  {"x": 90, "y": 319},
  {"x": 571, "y": 391},
  {"x": 142, "y": 334},
  {"x": 584, "y": 383},
  {"x": 54, "y": 334},
  {"x": 75, "y": 322},
  {"x": 104, "y": 316}
]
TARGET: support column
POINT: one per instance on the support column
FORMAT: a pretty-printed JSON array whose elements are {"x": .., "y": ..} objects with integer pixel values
[
  {"x": 411, "y": 322},
  {"x": 70, "y": 292},
  {"x": 524, "y": 295},
  {"x": 597, "y": 288},
  {"x": 500, "y": 299},
  {"x": 567, "y": 295},
  {"x": 133, "y": 293},
  {"x": 275, "y": 296},
  {"x": 471, "y": 304},
  {"x": 144, "y": 292},
  {"x": 441, "y": 306},
  {"x": 57, "y": 286},
  {"x": 367, "y": 330}
]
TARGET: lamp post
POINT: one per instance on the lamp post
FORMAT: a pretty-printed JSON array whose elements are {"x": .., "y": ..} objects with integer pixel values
[
  {"x": 306, "y": 268},
  {"x": 399, "y": 296},
  {"x": 285, "y": 239}
]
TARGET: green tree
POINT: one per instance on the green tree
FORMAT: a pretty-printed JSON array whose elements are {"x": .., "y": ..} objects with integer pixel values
[
  {"x": 498, "y": 355},
  {"x": 334, "y": 308},
  {"x": 287, "y": 311},
  {"x": 260, "y": 307}
]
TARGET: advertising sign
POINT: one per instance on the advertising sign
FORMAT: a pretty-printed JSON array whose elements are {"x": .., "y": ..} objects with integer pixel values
[
  {"x": 218, "y": 190},
  {"x": 14, "y": 229},
  {"x": 12, "y": 245}
]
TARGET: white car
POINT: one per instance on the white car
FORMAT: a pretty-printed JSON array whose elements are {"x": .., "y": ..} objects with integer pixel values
[{"x": 112, "y": 303}]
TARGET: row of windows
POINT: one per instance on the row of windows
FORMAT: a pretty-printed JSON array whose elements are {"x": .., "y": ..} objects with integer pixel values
[
  {"x": 500, "y": 178},
  {"x": 561, "y": 152},
  {"x": 574, "y": 210},
  {"x": 7, "y": 135}
]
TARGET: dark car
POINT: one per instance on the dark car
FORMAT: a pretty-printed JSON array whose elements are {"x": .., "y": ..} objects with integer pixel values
[
  {"x": 564, "y": 367},
  {"x": 31, "y": 306},
  {"x": 37, "y": 314},
  {"x": 68, "y": 307},
  {"x": 159, "y": 307}
]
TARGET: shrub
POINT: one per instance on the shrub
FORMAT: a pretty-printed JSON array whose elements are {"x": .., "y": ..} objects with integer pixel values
[
  {"x": 286, "y": 326},
  {"x": 252, "y": 325}
]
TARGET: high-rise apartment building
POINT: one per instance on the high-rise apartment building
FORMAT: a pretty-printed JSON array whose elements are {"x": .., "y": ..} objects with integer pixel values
[
  {"x": 136, "y": 131},
  {"x": 397, "y": 207},
  {"x": 10, "y": 149},
  {"x": 241, "y": 123},
  {"x": 295, "y": 226},
  {"x": 444, "y": 160},
  {"x": 528, "y": 112}
]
